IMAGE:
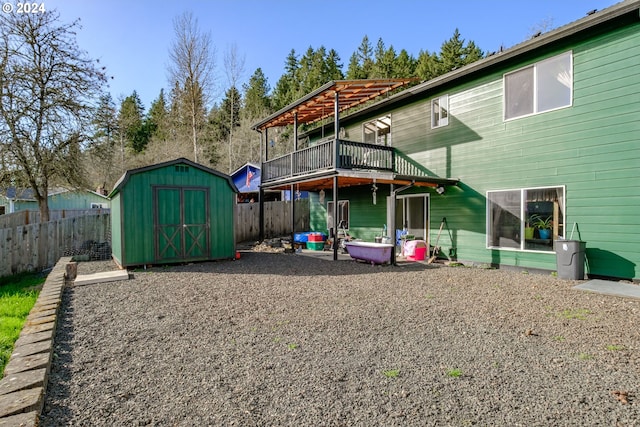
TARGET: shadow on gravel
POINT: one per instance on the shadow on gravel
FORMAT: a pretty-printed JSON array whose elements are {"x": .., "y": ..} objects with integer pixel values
[
  {"x": 53, "y": 414},
  {"x": 280, "y": 264}
]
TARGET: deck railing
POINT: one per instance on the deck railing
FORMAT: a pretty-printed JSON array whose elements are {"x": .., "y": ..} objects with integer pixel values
[{"x": 322, "y": 156}]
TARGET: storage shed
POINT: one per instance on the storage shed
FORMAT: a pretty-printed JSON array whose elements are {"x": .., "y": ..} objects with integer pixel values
[{"x": 172, "y": 212}]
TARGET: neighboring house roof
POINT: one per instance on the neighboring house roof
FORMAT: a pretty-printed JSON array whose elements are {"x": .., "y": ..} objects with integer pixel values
[
  {"x": 26, "y": 194},
  {"x": 13, "y": 193},
  {"x": 247, "y": 178},
  {"x": 125, "y": 177}
]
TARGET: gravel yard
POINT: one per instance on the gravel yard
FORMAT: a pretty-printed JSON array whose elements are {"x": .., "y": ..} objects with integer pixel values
[{"x": 284, "y": 339}]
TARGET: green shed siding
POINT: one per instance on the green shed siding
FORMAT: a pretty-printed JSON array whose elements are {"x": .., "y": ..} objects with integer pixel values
[
  {"x": 117, "y": 243},
  {"x": 592, "y": 148},
  {"x": 137, "y": 216}
]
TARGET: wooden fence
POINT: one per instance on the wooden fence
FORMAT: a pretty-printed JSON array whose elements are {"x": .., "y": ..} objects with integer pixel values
[
  {"x": 38, "y": 246},
  {"x": 277, "y": 219},
  {"x": 30, "y": 245},
  {"x": 27, "y": 217}
]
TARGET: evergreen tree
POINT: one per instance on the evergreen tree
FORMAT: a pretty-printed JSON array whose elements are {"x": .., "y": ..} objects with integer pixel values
[
  {"x": 158, "y": 117},
  {"x": 365, "y": 58},
  {"x": 256, "y": 96},
  {"x": 428, "y": 65},
  {"x": 384, "y": 61},
  {"x": 334, "y": 67},
  {"x": 354, "y": 72},
  {"x": 404, "y": 65},
  {"x": 454, "y": 54},
  {"x": 102, "y": 153},
  {"x": 287, "y": 88},
  {"x": 134, "y": 129}
]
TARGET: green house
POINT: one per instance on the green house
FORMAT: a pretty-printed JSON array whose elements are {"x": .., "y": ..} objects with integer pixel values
[
  {"x": 546, "y": 130},
  {"x": 13, "y": 200},
  {"x": 172, "y": 212}
]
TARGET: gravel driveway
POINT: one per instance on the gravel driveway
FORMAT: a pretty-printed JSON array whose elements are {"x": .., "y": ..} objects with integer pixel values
[{"x": 289, "y": 340}]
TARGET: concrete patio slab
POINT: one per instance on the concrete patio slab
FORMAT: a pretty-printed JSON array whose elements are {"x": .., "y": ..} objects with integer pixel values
[{"x": 609, "y": 287}]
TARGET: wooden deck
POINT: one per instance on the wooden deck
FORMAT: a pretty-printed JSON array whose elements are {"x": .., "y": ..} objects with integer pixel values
[{"x": 338, "y": 154}]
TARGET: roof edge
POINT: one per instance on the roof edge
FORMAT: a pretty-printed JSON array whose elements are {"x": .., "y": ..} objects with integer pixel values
[{"x": 121, "y": 182}]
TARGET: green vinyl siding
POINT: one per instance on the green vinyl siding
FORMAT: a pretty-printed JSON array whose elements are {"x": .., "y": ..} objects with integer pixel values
[
  {"x": 76, "y": 200},
  {"x": 366, "y": 220},
  {"x": 592, "y": 148}
]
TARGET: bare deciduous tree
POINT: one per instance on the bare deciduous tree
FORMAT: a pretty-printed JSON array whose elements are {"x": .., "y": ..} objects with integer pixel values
[
  {"x": 192, "y": 70},
  {"x": 234, "y": 69},
  {"x": 48, "y": 88}
]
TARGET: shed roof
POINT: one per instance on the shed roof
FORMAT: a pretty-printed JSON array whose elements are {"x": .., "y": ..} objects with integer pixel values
[{"x": 120, "y": 183}]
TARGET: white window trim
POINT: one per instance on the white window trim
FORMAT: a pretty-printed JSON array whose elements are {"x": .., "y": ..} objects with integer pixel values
[
  {"x": 330, "y": 213},
  {"x": 441, "y": 122},
  {"x": 389, "y": 138},
  {"x": 535, "y": 91},
  {"x": 523, "y": 204}
]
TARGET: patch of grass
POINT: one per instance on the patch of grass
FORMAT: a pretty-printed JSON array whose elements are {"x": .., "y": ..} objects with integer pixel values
[
  {"x": 559, "y": 338},
  {"x": 17, "y": 297},
  {"x": 576, "y": 313},
  {"x": 614, "y": 347},
  {"x": 391, "y": 373},
  {"x": 585, "y": 356},
  {"x": 429, "y": 296},
  {"x": 292, "y": 346},
  {"x": 454, "y": 373}
]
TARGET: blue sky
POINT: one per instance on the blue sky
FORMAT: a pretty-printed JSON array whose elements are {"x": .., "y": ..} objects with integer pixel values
[{"x": 132, "y": 38}]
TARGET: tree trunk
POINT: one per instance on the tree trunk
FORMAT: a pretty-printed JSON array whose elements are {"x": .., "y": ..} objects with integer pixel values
[{"x": 43, "y": 205}]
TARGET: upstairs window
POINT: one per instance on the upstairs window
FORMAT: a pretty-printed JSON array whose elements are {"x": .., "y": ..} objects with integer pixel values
[
  {"x": 544, "y": 86},
  {"x": 377, "y": 131},
  {"x": 440, "y": 111}
]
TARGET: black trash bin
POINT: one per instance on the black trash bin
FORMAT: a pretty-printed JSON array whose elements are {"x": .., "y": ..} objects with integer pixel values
[{"x": 570, "y": 258}]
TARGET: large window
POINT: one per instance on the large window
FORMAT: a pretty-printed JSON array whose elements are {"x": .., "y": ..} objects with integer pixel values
[
  {"x": 543, "y": 86},
  {"x": 525, "y": 219},
  {"x": 440, "y": 111},
  {"x": 343, "y": 214},
  {"x": 377, "y": 131}
]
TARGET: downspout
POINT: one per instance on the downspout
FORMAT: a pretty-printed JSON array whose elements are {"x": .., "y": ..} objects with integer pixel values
[{"x": 392, "y": 226}]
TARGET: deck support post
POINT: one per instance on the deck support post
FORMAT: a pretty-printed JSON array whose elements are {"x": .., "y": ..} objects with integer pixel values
[
  {"x": 264, "y": 138},
  {"x": 336, "y": 130},
  {"x": 335, "y": 218},
  {"x": 392, "y": 224}
]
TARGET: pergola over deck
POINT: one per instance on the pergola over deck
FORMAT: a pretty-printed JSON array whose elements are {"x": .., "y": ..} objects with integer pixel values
[
  {"x": 330, "y": 100},
  {"x": 336, "y": 162}
]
